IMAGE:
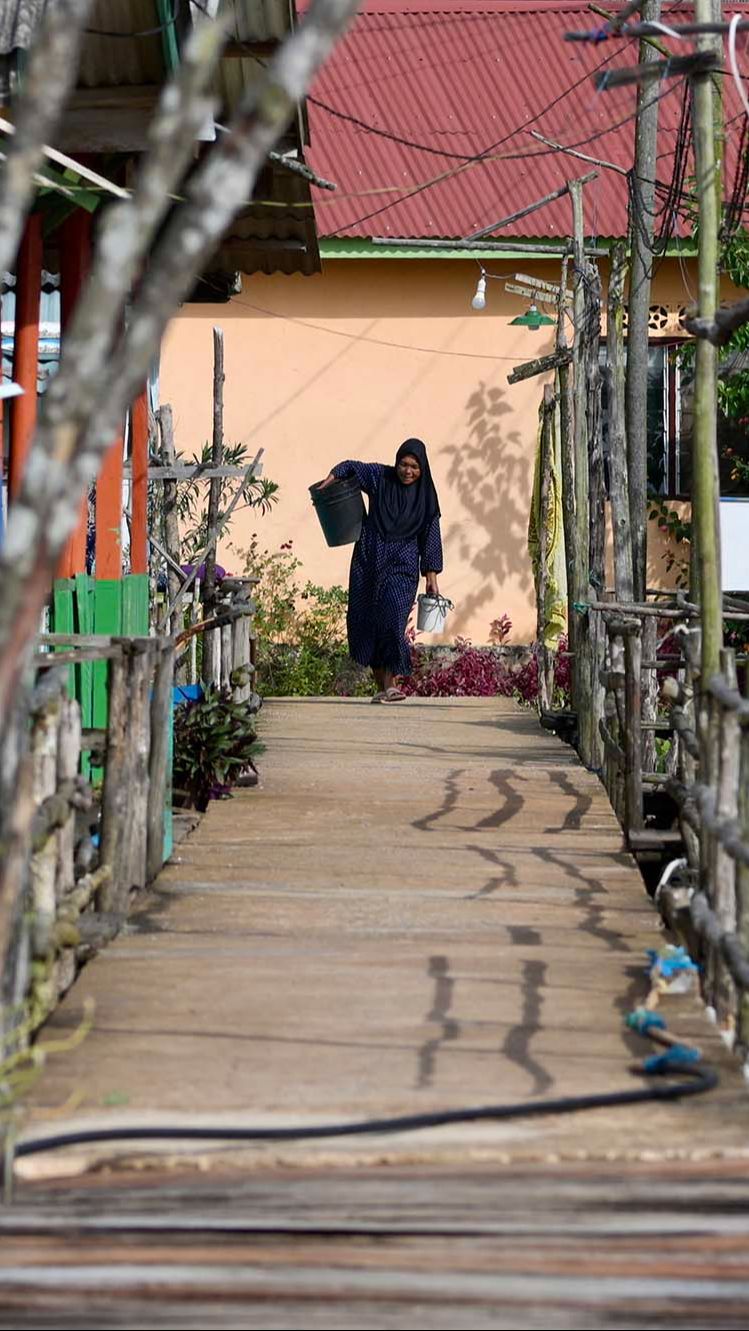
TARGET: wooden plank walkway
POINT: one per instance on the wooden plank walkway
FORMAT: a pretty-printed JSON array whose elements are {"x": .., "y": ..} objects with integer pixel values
[{"x": 421, "y": 907}]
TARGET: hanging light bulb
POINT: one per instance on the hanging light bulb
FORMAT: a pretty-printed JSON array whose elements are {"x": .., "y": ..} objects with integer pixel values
[{"x": 479, "y": 300}]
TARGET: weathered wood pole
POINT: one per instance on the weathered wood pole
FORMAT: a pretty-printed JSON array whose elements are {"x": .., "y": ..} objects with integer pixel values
[
  {"x": 114, "y": 804},
  {"x": 705, "y": 487},
  {"x": 158, "y": 763},
  {"x": 580, "y": 439},
  {"x": 618, "y": 478},
  {"x": 742, "y": 874},
  {"x": 211, "y": 641},
  {"x": 139, "y": 484},
  {"x": 642, "y": 223},
  {"x": 632, "y": 727},
  {"x": 169, "y": 502},
  {"x": 596, "y": 482},
  {"x": 545, "y": 685},
  {"x": 566, "y": 430},
  {"x": 724, "y": 865}
]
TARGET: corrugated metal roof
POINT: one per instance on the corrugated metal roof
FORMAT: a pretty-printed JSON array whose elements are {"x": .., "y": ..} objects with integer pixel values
[{"x": 461, "y": 80}]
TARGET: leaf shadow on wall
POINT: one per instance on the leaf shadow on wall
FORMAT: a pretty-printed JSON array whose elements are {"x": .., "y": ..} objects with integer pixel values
[{"x": 490, "y": 473}]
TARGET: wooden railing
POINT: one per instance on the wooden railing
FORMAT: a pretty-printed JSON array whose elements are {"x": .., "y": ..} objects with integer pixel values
[
  {"x": 649, "y": 692},
  {"x": 91, "y": 819},
  {"x": 220, "y": 650}
]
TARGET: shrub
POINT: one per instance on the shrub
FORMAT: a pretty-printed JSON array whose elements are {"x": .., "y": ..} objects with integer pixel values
[
  {"x": 480, "y": 672},
  {"x": 214, "y": 740},
  {"x": 301, "y": 628}
]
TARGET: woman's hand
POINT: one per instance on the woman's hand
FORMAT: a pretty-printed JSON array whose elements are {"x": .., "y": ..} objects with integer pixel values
[
  {"x": 432, "y": 586},
  {"x": 329, "y": 479}
]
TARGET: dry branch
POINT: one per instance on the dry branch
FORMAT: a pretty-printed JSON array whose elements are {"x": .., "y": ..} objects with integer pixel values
[{"x": 48, "y": 78}]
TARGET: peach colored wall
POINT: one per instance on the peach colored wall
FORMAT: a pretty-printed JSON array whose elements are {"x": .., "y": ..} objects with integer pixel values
[{"x": 346, "y": 365}]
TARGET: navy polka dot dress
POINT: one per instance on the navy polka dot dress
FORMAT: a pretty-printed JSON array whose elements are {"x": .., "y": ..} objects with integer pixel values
[{"x": 383, "y": 582}]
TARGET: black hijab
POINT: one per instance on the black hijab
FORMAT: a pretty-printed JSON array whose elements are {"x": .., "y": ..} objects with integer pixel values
[{"x": 399, "y": 511}]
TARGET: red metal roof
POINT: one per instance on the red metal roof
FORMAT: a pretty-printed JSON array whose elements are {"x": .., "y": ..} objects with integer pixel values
[{"x": 456, "y": 80}]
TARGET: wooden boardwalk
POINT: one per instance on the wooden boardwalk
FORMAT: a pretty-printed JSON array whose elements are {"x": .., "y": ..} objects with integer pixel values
[{"x": 422, "y": 907}]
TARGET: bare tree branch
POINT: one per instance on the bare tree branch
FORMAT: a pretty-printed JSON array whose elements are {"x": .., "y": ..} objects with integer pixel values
[
  {"x": 82, "y": 412},
  {"x": 720, "y": 330},
  {"x": 48, "y": 78}
]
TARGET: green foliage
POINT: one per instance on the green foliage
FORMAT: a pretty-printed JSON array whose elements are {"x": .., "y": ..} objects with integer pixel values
[
  {"x": 301, "y": 629},
  {"x": 679, "y": 531},
  {"x": 214, "y": 740},
  {"x": 192, "y": 496}
]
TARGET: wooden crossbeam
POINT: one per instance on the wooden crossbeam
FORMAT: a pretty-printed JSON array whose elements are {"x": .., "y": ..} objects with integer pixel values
[{"x": 539, "y": 366}]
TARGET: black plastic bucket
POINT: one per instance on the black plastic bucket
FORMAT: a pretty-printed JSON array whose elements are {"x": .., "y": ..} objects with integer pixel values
[{"x": 340, "y": 510}]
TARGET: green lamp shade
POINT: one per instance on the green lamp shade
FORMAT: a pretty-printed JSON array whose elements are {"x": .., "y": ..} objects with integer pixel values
[{"x": 533, "y": 318}]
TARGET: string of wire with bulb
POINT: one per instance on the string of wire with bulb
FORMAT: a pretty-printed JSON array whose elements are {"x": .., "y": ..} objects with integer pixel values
[{"x": 533, "y": 318}]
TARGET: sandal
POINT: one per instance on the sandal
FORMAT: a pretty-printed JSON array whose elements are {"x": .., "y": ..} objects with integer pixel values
[{"x": 394, "y": 695}]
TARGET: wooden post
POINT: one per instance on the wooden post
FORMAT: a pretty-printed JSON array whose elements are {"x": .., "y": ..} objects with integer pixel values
[
  {"x": 580, "y": 442},
  {"x": 742, "y": 874},
  {"x": 169, "y": 501},
  {"x": 724, "y": 866},
  {"x": 225, "y": 635},
  {"x": 115, "y": 792},
  {"x": 139, "y": 484},
  {"x": 618, "y": 478},
  {"x": 649, "y": 691},
  {"x": 597, "y": 483},
  {"x": 43, "y": 865},
  {"x": 632, "y": 728},
  {"x": 25, "y": 348},
  {"x": 545, "y": 684},
  {"x": 642, "y": 226},
  {"x": 140, "y": 743},
  {"x": 566, "y": 429},
  {"x": 158, "y": 763},
  {"x": 211, "y": 641},
  {"x": 704, "y": 438},
  {"x": 68, "y": 763},
  {"x": 75, "y": 260},
  {"x": 242, "y": 688}
]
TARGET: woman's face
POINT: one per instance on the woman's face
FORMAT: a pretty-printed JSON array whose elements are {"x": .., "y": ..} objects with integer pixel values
[{"x": 408, "y": 469}]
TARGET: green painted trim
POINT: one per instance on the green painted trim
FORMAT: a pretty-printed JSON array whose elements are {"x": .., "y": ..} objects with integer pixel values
[
  {"x": 84, "y": 607},
  {"x": 365, "y": 249},
  {"x": 165, "y": 10},
  {"x": 347, "y": 247},
  {"x": 107, "y": 620},
  {"x": 135, "y": 598},
  {"x": 63, "y": 619}
]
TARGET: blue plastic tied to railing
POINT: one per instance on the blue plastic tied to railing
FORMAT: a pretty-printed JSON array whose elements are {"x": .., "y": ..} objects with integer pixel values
[
  {"x": 672, "y": 968},
  {"x": 642, "y": 1020},
  {"x": 675, "y": 1059}
]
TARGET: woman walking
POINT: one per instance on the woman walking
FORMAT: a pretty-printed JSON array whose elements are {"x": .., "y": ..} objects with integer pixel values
[{"x": 400, "y": 537}]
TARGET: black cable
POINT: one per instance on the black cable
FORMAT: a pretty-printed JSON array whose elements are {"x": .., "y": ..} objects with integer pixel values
[
  {"x": 145, "y": 32},
  {"x": 696, "y": 1081}
]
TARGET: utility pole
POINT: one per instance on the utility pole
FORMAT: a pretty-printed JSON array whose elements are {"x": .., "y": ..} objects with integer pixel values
[
  {"x": 704, "y": 444},
  {"x": 642, "y": 224}
]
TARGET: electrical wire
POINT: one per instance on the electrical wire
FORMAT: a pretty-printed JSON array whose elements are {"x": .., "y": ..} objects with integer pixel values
[{"x": 485, "y": 157}]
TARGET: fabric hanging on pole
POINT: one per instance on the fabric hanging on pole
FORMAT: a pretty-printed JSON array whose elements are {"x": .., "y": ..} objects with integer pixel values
[{"x": 550, "y": 542}]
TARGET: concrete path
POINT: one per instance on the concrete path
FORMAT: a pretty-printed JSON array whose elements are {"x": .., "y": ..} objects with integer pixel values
[{"x": 422, "y": 906}]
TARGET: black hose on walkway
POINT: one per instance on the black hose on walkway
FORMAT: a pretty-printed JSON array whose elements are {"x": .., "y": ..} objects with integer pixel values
[{"x": 694, "y": 1080}]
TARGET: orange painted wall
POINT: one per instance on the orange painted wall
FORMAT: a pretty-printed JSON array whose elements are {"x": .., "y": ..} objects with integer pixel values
[{"x": 349, "y": 363}]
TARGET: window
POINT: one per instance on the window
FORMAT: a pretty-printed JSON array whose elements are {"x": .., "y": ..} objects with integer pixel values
[{"x": 669, "y": 422}]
